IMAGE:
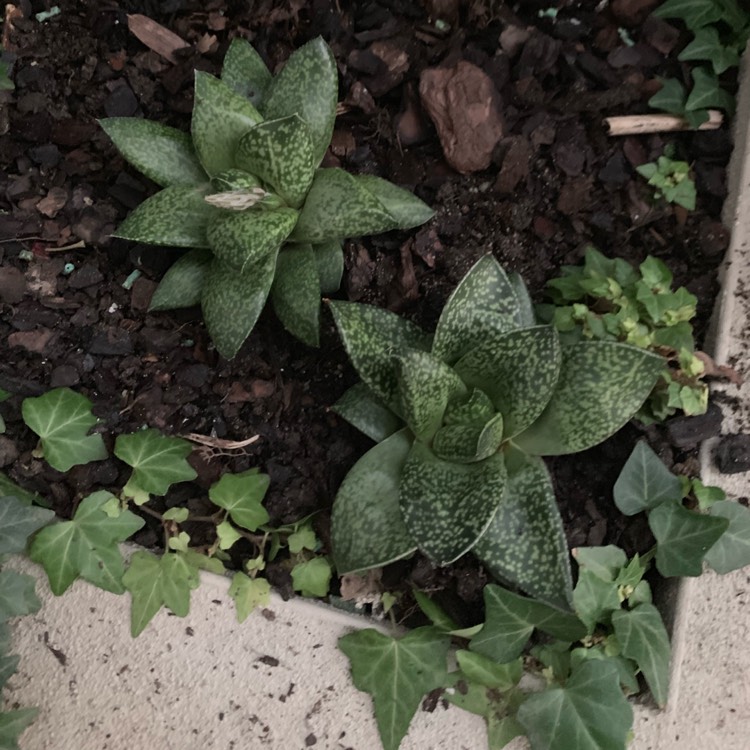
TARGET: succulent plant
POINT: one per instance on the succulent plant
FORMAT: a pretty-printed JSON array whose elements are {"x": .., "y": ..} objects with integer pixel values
[
  {"x": 245, "y": 193},
  {"x": 462, "y": 419}
]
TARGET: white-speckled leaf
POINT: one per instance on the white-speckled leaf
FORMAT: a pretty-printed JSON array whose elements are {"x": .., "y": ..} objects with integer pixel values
[
  {"x": 280, "y": 152},
  {"x": 364, "y": 410},
  {"x": 406, "y": 209},
  {"x": 483, "y": 302},
  {"x": 337, "y": 206},
  {"x": 467, "y": 443},
  {"x": 295, "y": 293},
  {"x": 245, "y": 72},
  {"x": 165, "y": 155},
  {"x": 367, "y": 528},
  {"x": 182, "y": 284},
  {"x": 177, "y": 215},
  {"x": 329, "y": 257},
  {"x": 241, "y": 238},
  {"x": 220, "y": 118},
  {"x": 525, "y": 317},
  {"x": 602, "y": 384},
  {"x": 447, "y": 506},
  {"x": 525, "y": 542},
  {"x": 307, "y": 86},
  {"x": 232, "y": 301}
]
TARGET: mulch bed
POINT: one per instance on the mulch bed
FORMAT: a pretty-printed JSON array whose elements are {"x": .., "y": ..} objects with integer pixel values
[{"x": 555, "y": 182}]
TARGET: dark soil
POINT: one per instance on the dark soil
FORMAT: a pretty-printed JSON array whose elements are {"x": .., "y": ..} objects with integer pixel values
[{"x": 556, "y": 183}]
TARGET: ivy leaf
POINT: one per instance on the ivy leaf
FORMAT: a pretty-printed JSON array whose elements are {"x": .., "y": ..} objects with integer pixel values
[
  {"x": 364, "y": 410},
  {"x": 643, "y": 638},
  {"x": 227, "y": 535},
  {"x": 178, "y": 515},
  {"x": 683, "y": 538},
  {"x": 511, "y": 619},
  {"x": 180, "y": 542},
  {"x": 156, "y": 581},
  {"x": 182, "y": 284},
  {"x": 645, "y": 482},
  {"x": 248, "y": 593},
  {"x": 62, "y": 418},
  {"x": 242, "y": 495},
  {"x": 17, "y": 595},
  {"x": 158, "y": 461},
  {"x": 706, "y": 45},
  {"x": 707, "y": 92},
  {"x": 86, "y": 546},
  {"x": 435, "y": 613},
  {"x": 732, "y": 550},
  {"x": 18, "y": 522},
  {"x": 589, "y": 713},
  {"x": 626, "y": 669},
  {"x": 489, "y": 673},
  {"x": 594, "y": 599},
  {"x": 11, "y": 489},
  {"x": 12, "y": 725},
  {"x": 312, "y": 577},
  {"x": 671, "y": 98},
  {"x": 396, "y": 673},
  {"x": 695, "y": 13},
  {"x": 303, "y": 538},
  {"x": 245, "y": 72},
  {"x": 604, "y": 562}
]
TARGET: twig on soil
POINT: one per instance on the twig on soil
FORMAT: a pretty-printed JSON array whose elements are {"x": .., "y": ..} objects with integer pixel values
[
  {"x": 162, "y": 41},
  {"x": 640, "y": 124},
  {"x": 220, "y": 443}
]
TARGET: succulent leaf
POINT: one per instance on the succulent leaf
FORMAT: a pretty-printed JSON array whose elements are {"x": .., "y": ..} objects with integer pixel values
[
  {"x": 425, "y": 385},
  {"x": 602, "y": 385},
  {"x": 525, "y": 317},
  {"x": 404, "y": 207},
  {"x": 467, "y": 443},
  {"x": 483, "y": 302},
  {"x": 447, "y": 506},
  {"x": 220, "y": 118},
  {"x": 177, "y": 215},
  {"x": 165, "y": 155},
  {"x": 476, "y": 409},
  {"x": 517, "y": 370},
  {"x": 373, "y": 337},
  {"x": 232, "y": 301},
  {"x": 338, "y": 206},
  {"x": 295, "y": 293},
  {"x": 245, "y": 72},
  {"x": 329, "y": 257},
  {"x": 242, "y": 238},
  {"x": 307, "y": 86},
  {"x": 525, "y": 542},
  {"x": 367, "y": 527},
  {"x": 280, "y": 152},
  {"x": 364, "y": 410},
  {"x": 182, "y": 284}
]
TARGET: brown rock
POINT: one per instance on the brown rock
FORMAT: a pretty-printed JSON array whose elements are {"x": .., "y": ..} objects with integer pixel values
[
  {"x": 55, "y": 200},
  {"x": 465, "y": 106},
  {"x": 632, "y": 12},
  {"x": 33, "y": 341}
]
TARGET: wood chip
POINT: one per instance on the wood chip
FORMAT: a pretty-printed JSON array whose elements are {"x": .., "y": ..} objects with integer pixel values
[{"x": 162, "y": 41}]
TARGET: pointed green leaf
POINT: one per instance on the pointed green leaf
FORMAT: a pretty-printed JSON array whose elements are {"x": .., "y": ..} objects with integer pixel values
[
  {"x": 483, "y": 302},
  {"x": 231, "y": 302},
  {"x": 589, "y": 713},
  {"x": 156, "y": 581},
  {"x": 165, "y": 155},
  {"x": 18, "y": 522},
  {"x": 245, "y": 72},
  {"x": 405, "y": 208},
  {"x": 626, "y": 669},
  {"x": 295, "y": 293},
  {"x": 706, "y": 45},
  {"x": 312, "y": 577},
  {"x": 465, "y": 444},
  {"x": 695, "y": 13},
  {"x": 602, "y": 384},
  {"x": 367, "y": 528},
  {"x": 732, "y": 550},
  {"x": 447, "y": 506},
  {"x": 644, "y": 639},
  {"x": 62, "y": 418},
  {"x": 17, "y": 595},
  {"x": 644, "y": 482},
  {"x": 226, "y": 534},
  {"x": 177, "y": 215},
  {"x": 280, "y": 152},
  {"x": 9, "y": 488},
  {"x": 489, "y": 673},
  {"x": 707, "y": 92},
  {"x": 525, "y": 542},
  {"x": 372, "y": 338},
  {"x": 242, "y": 495},
  {"x": 396, "y": 673},
  {"x": 517, "y": 370},
  {"x": 683, "y": 538},
  {"x": 337, "y": 206},
  {"x": 474, "y": 408},
  {"x": 329, "y": 258},
  {"x": 243, "y": 238},
  {"x": 425, "y": 385},
  {"x": 595, "y": 599},
  {"x": 434, "y": 612},
  {"x": 511, "y": 619},
  {"x": 364, "y": 410},
  {"x": 307, "y": 86},
  {"x": 182, "y": 284},
  {"x": 603, "y": 562},
  {"x": 248, "y": 593},
  {"x": 220, "y": 118},
  {"x": 12, "y": 725},
  {"x": 158, "y": 461},
  {"x": 671, "y": 97}
]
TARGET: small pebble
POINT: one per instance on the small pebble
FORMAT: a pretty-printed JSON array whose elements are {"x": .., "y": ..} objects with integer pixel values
[{"x": 732, "y": 455}]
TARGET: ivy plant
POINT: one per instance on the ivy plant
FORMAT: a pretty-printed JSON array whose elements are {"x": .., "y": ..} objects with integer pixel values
[
  {"x": 606, "y": 299},
  {"x": 671, "y": 180},
  {"x": 245, "y": 192},
  {"x": 462, "y": 420}
]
